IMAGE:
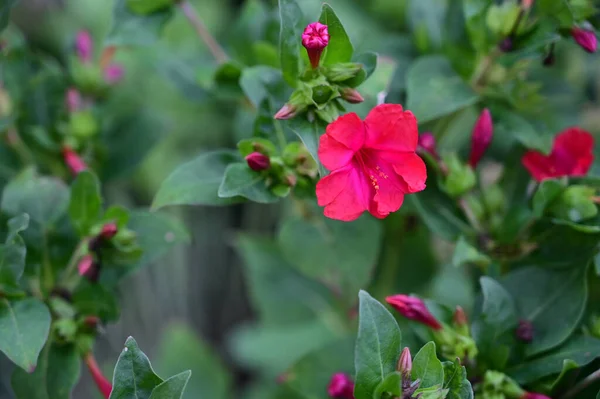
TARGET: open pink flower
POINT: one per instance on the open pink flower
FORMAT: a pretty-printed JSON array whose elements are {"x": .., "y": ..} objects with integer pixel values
[
  {"x": 572, "y": 155},
  {"x": 373, "y": 163}
]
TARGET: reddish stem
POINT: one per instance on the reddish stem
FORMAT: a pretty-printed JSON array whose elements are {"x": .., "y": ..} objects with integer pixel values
[{"x": 104, "y": 386}]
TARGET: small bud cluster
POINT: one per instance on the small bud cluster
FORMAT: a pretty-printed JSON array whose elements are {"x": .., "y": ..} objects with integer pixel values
[{"x": 89, "y": 265}]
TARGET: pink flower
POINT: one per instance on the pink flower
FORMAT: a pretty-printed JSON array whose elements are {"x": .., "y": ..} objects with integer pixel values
[
  {"x": 341, "y": 386},
  {"x": 373, "y": 163},
  {"x": 104, "y": 386},
  {"x": 315, "y": 38},
  {"x": 572, "y": 155},
  {"x": 427, "y": 143},
  {"x": 481, "y": 138},
  {"x": 84, "y": 46},
  {"x": 257, "y": 161},
  {"x": 414, "y": 309},
  {"x": 73, "y": 160},
  {"x": 113, "y": 73},
  {"x": 73, "y": 100},
  {"x": 585, "y": 38},
  {"x": 109, "y": 230},
  {"x": 533, "y": 395}
]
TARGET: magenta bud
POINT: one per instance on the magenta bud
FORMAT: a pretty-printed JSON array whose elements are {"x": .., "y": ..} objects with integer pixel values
[
  {"x": 286, "y": 112},
  {"x": 483, "y": 131},
  {"x": 75, "y": 163},
  {"x": 413, "y": 308},
  {"x": 506, "y": 45},
  {"x": 405, "y": 363},
  {"x": 314, "y": 39},
  {"x": 88, "y": 268},
  {"x": 341, "y": 386},
  {"x": 585, "y": 38},
  {"x": 257, "y": 161},
  {"x": 109, "y": 230},
  {"x": 73, "y": 100},
  {"x": 460, "y": 317},
  {"x": 427, "y": 144},
  {"x": 352, "y": 95},
  {"x": 84, "y": 46},
  {"x": 524, "y": 331},
  {"x": 113, "y": 73},
  {"x": 533, "y": 395}
]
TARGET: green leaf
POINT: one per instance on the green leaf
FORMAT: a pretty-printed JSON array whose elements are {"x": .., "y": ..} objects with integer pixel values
[
  {"x": 131, "y": 29},
  {"x": 133, "y": 377},
  {"x": 173, "y": 387},
  {"x": 548, "y": 191},
  {"x": 197, "y": 182},
  {"x": 436, "y": 392},
  {"x": 258, "y": 82},
  {"x": 342, "y": 254},
  {"x": 181, "y": 348},
  {"x": 392, "y": 385},
  {"x": 455, "y": 379},
  {"x": 368, "y": 61},
  {"x": 581, "y": 350},
  {"x": 434, "y": 89},
  {"x": 144, "y": 7},
  {"x": 86, "y": 203},
  {"x": 12, "y": 254},
  {"x": 24, "y": 327},
  {"x": 426, "y": 18},
  {"x": 96, "y": 300},
  {"x": 465, "y": 254},
  {"x": 339, "y": 48},
  {"x": 5, "y": 8},
  {"x": 309, "y": 134},
  {"x": 55, "y": 376},
  {"x": 555, "y": 292},
  {"x": 289, "y": 40},
  {"x": 377, "y": 346},
  {"x": 45, "y": 199},
  {"x": 241, "y": 181},
  {"x": 511, "y": 124},
  {"x": 427, "y": 367}
]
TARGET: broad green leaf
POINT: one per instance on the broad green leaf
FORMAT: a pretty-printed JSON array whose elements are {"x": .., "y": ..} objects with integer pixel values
[
  {"x": 144, "y": 7},
  {"x": 377, "y": 346},
  {"x": 465, "y": 254},
  {"x": 86, "y": 203},
  {"x": 369, "y": 64},
  {"x": 289, "y": 40},
  {"x": 96, "y": 300},
  {"x": 562, "y": 292},
  {"x": 342, "y": 254},
  {"x": 427, "y": 367},
  {"x": 44, "y": 199},
  {"x": 131, "y": 29},
  {"x": 15, "y": 226},
  {"x": 197, "y": 182},
  {"x": 258, "y": 82},
  {"x": 581, "y": 350},
  {"x": 546, "y": 193},
  {"x": 5, "y": 8},
  {"x": 134, "y": 377},
  {"x": 172, "y": 388},
  {"x": 455, "y": 379},
  {"x": 309, "y": 134},
  {"x": 24, "y": 326},
  {"x": 12, "y": 254},
  {"x": 181, "y": 348},
  {"x": 434, "y": 89},
  {"x": 391, "y": 385},
  {"x": 436, "y": 392},
  {"x": 55, "y": 376},
  {"x": 511, "y": 124},
  {"x": 426, "y": 19},
  {"x": 339, "y": 48},
  {"x": 241, "y": 181},
  {"x": 475, "y": 15}
]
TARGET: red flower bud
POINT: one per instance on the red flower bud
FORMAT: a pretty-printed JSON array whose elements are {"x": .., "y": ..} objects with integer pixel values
[
  {"x": 73, "y": 160},
  {"x": 104, "y": 386},
  {"x": 585, "y": 38},
  {"x": 286, "y": 112},
  {"x": 427, "y": 144},
  {"x": 414, "y": 309},
  {"x": 84, "y": 46},
  {"x": 405, "y": 363},
  {"x": 113, "y": 73},
  {"x": 483, "y": 131},
  {"x": 88, "y": 268},
  {"x": 314, "y": 39},
  {"x": 109, "y": 230},
  {"x": 73, "y": 100},
  {"x": 91, "y": 321},
  {"x": 257, "y": 161},
  {"x": 533, "y": 395},
  {"x": 341, "y": 386},
  {"x": 460, "y": 317},
  {"x": 352, "y": 95},
  {"x": 524, "y": 331}
]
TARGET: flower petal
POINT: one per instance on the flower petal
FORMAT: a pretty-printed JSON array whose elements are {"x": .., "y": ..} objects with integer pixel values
[
  {"x": 579, "y": 145},
  {"x": 330, "y": 186},
  {"x": 333, "y": 154},
  {"x": 390, "y": 128},
  {"x": 538, "y": 165},
  {"x": 411, "y": 168},
  {"x": 349, "y": 130},
  {"x": 344, "y": 193}
]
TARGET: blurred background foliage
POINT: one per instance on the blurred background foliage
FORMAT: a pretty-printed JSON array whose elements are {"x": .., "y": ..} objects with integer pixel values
[{"x": 187, "y": 308}]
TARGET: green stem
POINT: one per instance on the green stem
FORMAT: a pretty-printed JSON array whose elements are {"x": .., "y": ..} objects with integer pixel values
[
  {"x": 280, "y": 135},
  {"x": 195, "y": 20},
  {"x": 71, "y": 268}
]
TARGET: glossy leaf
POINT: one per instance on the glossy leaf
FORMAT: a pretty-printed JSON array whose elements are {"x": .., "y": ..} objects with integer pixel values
[
  {"x": 377, "y": 347},
  {"x": 172, "y": 388},
  {"x": 455, "y": 380},
  {"x": 289, "y": 40},
  {"x": 130, "y": 28},
  {"x": 427, "y": 367},
  {"x": 86, "y": 203},
  {"x": 339, "y": 48},
  {"x": 391, "y": 385},
  {"x": 241, "y": 181}
]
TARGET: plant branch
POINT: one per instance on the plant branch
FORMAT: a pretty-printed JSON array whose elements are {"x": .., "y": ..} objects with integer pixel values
[
  {"x": 195, "y": 20},
  {"x": 586, "y": 382}
]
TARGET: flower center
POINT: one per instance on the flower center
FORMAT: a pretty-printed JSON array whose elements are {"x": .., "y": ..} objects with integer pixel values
[{"x": 372, "y": 170}]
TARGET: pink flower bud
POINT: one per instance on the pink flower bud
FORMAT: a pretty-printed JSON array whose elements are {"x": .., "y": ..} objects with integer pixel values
[
  {"x": 526, "y": 4},
  {"x": 257, "y": 161},
  {"x": 314, "y": 39},
  {"x": 91, "y": 322},
  {"x": 414, "y": 309},
  {"x": 524, "y": 331},
  {"x": 460, "y": 317},
  {"x": 288, "y": 111},
  {"x": 73, "y": 100},
  {"x": 84, "y": 46},
  {"x": 109, "y": 230},
  {"x": 483, "y": 131},
  {"x": 533, "y": 395},
  {"x": 341, "y": 386},
  {"x": 88, "y": 268},
  {"x": 585, "y": 38},
  {"x": 405, "y": 363},
  {"x": 104, "y": 386},
  {"x": 352, "y": 95},
  {"x": 427, "y": 144},
  {"x": 113, "y": 73},
  {"x": 290, "y": 180},
  {"x": 73, "y": 160}
]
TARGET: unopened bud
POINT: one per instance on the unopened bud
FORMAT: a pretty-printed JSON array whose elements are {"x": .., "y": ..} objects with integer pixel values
[
  {"x": 533, "y": 395},
  {"x": 585, "y": 38},
  {"x": 460, "y": 317},
  {"x": 91, "y": 322},
  {"x": 73, "y": 100},
  {"x": 483, "y": 131},
  {"x": 288, "y": 111},
  {"x": 290, "y": 180},
  {"x": 109, "y": 230},
  {"x": 506, "y": 45},
  {"x": 113, "y": 73},
  {"x": 549, "y": 58},
  {"x": 89, "y": 268},
  {"x": 527, "y": 4},
  {"x": 413, "y": 308},
  {"x": 314, "y": 39},
  {"x": 73, "y": 160},
  {"x": 352, "y": 95},
  {"x": 427, "y": 143},
  {"x": 257, "y": 161},
  {"x": 524, "y": 331},
  {"x": 405, "y": 363},
  {"x": 343, "y": 71},
  {"x": 341, "y": 386},
  {"x": 84, "y": 46}
]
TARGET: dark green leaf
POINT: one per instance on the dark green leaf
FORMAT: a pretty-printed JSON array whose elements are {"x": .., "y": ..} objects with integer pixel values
[
  {"x": 130, "y": 28},
  {"x": 5, "y": 8},
  {"x": 289, "y": 40},
  {"x": 392, "y": 385},
  {"x": 12, "y": 254},
  {"x": 24, "y": 327},
  {"x": 465, "y": 254},
  {"x": 427, "y": 367},
  {"x": 455, "y": 379},
  {"x": 241, "y": 181},
  {"x": 436, "y": 392},
  {"x": 309, "y": 133},
  {"x": 144, "y": 7},
  {"x": 377, "y": 346},
  {"x": 95, "y": 300},
  {"x": 86, "y": 203},
  {"x": 197, "y": 182},
  {"x": 182, "y": 75},
  {"x": 172, "y": 388},
  {"x": 339, "y": 48},
  {"x": 511, "y": 124},
  {"x": 259, "y": 81},
  {"x": 133, "y": 377},
  {"x": 55, "y": 376},
  {"x": 435, "y": 89},
  {"x": 547, "y": 192},
  {"x": 426, "y": 18}
]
